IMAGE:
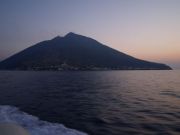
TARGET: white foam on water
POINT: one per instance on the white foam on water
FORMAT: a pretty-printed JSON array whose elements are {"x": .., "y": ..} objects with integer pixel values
[{"x": 35, "y": 126}]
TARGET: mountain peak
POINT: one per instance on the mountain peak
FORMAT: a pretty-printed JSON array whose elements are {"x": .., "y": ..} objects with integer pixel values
[
  {"x": 71, "y": 34},
  {"x": 57, "y": 38}
]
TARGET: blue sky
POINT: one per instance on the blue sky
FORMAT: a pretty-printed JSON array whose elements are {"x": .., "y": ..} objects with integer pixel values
[{"x": 146, "y": 29}]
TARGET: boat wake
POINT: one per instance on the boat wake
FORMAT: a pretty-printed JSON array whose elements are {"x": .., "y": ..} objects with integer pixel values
[{"x": 35, "y": 126}]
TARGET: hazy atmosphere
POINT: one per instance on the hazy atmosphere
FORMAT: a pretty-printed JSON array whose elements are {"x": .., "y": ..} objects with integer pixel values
[
  {"x": 146, "y": 29},
  {"x": 90, "y": 67}
]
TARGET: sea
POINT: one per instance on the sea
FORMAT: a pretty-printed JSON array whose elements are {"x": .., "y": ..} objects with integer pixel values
[{"x": 138, "y": 102}]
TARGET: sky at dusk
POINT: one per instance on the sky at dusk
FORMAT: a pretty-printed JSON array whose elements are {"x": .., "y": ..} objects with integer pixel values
[{"x": 146, "y": 29}]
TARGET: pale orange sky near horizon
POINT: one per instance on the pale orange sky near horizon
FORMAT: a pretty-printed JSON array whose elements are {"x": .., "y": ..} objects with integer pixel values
[{"x": 150, "y": 49}]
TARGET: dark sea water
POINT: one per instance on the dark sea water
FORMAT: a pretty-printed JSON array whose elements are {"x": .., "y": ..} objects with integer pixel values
[{"x": 98, "y": 102}]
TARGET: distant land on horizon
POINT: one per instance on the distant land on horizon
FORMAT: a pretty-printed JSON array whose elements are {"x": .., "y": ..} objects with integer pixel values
[{"x": 75, "y": 52}]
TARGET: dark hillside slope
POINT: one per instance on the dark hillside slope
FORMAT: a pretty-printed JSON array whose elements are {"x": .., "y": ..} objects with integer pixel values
[{"x": 75, "y": 52}]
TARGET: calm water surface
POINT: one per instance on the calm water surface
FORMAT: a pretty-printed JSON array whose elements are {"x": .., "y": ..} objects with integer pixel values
[{"x": 98, "y": 102}]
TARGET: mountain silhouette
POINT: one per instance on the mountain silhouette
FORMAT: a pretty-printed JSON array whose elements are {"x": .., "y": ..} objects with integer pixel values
[{"x": 75, "y": 52}]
